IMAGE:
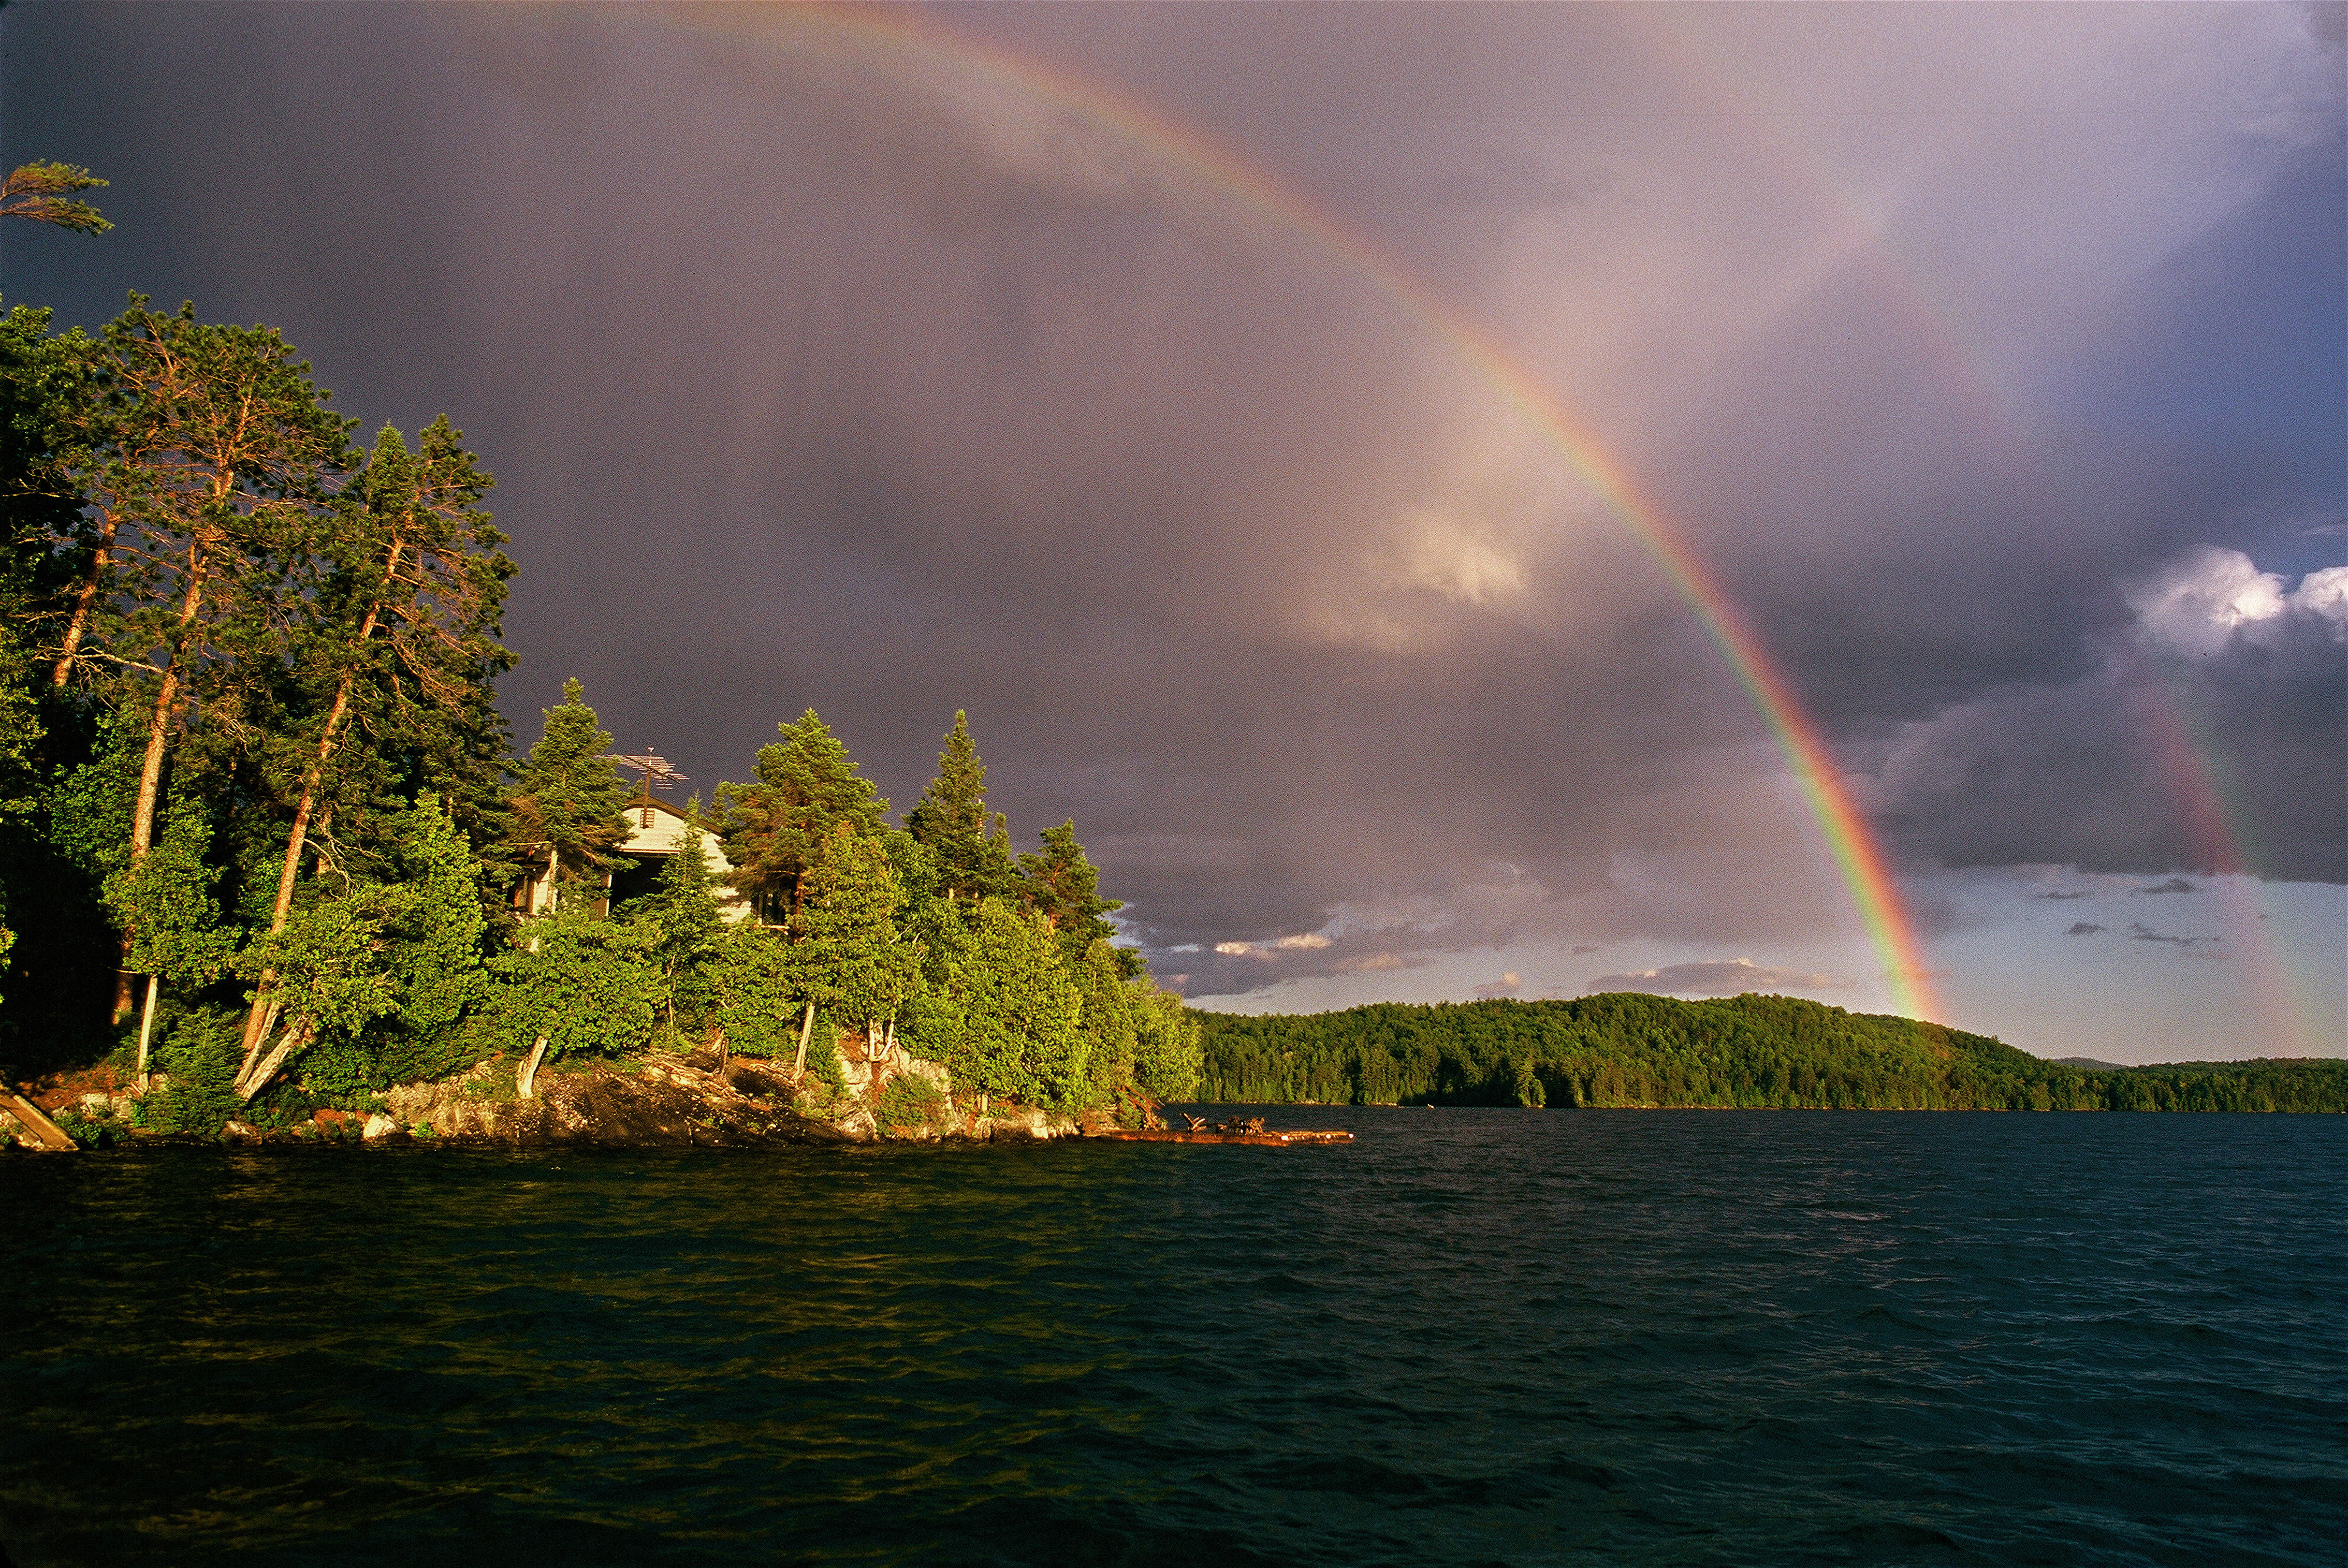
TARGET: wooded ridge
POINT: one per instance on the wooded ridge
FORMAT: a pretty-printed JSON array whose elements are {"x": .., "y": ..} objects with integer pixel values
[{"x": 1626, "y": 1048}]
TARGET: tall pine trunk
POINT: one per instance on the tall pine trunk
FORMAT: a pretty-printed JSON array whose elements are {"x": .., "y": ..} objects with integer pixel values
[
  {"x": 85, "y": 600},
  {"x": 150, "y": 767},
  {"x": 312, "y": 777}
]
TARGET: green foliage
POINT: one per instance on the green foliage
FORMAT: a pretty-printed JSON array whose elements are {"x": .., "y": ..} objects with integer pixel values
[
  {"x": 908, "y": 1104},
  {"x": 1009, "y": 1021},
  {"x": 682, "y": 932},
  {"x": 569, "y": 797},
  {"x": 806, "y": 787},
  {"x": 1106, "y": 1019},
  {"x": 1747, "y": 1051},
  {"x": 1167, "y": 1052},
  {"x": 398, "y": 646},
  {"x": 88, "y": 809},
  {"x": 198, "y": 1054},
  {"x": 754, "y": 992},
  {"x": 1061, "y": 885},
  {"x": 166, "y": 902},
  {"x": 972, "y": 849},
  {"x": 381, "y": 973},
  {"x": 289, "y": 640},
  {"x": 591, "y": 987},
  {"x": 847, "y": 954},
  {"x": 42, "y": 193}
]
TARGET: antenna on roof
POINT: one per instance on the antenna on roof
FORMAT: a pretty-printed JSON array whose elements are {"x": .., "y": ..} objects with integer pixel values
[{"x": 657, "y": 774}]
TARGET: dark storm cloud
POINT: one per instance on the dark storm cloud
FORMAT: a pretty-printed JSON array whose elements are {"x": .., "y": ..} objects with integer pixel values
[
  {"x": 813, "y": 376},
  {"x": 2213, "y": 747},
  {"x": 2084, "y": 928}
]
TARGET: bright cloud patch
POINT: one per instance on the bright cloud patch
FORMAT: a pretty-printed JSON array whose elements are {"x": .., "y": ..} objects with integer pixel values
[
  {"x": 1455, "y": 562},
  {"x": 2201, "y": 603}
]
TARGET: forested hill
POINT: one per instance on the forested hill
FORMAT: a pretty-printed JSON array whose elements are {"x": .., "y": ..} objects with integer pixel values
[{"x": 1623, "y": 1049}]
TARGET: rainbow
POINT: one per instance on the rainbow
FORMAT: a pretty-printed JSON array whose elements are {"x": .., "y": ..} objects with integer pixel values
[{"x": 924, "y": 51}]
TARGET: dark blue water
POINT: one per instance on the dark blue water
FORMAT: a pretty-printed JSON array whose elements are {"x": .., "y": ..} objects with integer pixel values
[{"x": 1471, "y": 1336}]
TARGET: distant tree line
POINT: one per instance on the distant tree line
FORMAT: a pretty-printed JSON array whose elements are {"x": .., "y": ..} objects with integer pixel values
[
  {"x": 260, "y": 824},
  {"x": 1747, "y": 1051}
]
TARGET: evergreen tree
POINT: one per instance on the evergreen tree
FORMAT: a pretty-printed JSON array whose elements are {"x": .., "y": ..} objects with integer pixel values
[
  {"x": 753, "y": 990},
  {"x": 847, "y": 955},
  {"x": 43, "y": 193},
  {"x": 806, "y": 786},
  {"x": 1167, "y": 1054},
  {"x": 208, "y": 470},
  {"x": 374, "y": 977},
  {"x": 1060, "y": 884},
  {"x": 166, "y": 901},
  {"x": 1107, "y": 1022},
  {"x": 569, "y": 799},
  {"x": 586, "y": 986},
  {"x": 1012, "y": 1019},
  {"x": 437, "y": 956},
  {"x": 402, "y": 637},
  {"x": 47, "y": 388},
  {"x": 972, "y": 849}
]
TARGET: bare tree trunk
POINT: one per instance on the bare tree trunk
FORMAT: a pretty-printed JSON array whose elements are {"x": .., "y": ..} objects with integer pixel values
[
  {"x": 146, "y": 1031},
  {"x": 297, "y": 1035},
  {"x": 806, "y": 1027},
  {"x": 526, "y": 1082},
  {"x": 253, "y": 1037}
]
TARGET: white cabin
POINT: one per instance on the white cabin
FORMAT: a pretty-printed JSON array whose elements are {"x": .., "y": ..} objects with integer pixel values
[{"x": 655, "y": 831}]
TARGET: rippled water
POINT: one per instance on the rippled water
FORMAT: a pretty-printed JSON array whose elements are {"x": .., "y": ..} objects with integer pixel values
[{"x": 1471, "y": 1336}]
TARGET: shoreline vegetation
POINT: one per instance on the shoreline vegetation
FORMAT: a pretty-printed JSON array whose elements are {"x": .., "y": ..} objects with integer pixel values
[
  {"x": 1628, "y": 1049},
  {"x": 271, "y": 865}
]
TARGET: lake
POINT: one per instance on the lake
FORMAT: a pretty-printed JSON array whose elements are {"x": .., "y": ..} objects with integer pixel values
[{"x": 1470, "y": 1337}]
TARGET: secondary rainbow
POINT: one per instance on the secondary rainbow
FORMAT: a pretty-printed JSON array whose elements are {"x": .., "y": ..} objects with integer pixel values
[{"x": 915, "y": 50}]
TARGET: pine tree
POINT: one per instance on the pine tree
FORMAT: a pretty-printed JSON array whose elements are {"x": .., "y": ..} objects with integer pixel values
[
  {"x": 806, "y": 786},
  {"x": 847, "y": 955},
  {"x": 403, "y": 636},
  {"x": 42, "y": 193},
  {"x": 972, "y": 849},
  {"x": 210, "y": 468},
  {"x": 1059, "y": 883},
  {"x": 569, "y": 799}
]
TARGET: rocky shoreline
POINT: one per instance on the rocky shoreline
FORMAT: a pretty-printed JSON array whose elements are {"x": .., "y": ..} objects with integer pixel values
[{"x": 660, "y": 1099}]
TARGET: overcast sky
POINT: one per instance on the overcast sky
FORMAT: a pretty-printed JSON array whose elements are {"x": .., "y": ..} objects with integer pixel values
[{"x": 1991, "y": 358}]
